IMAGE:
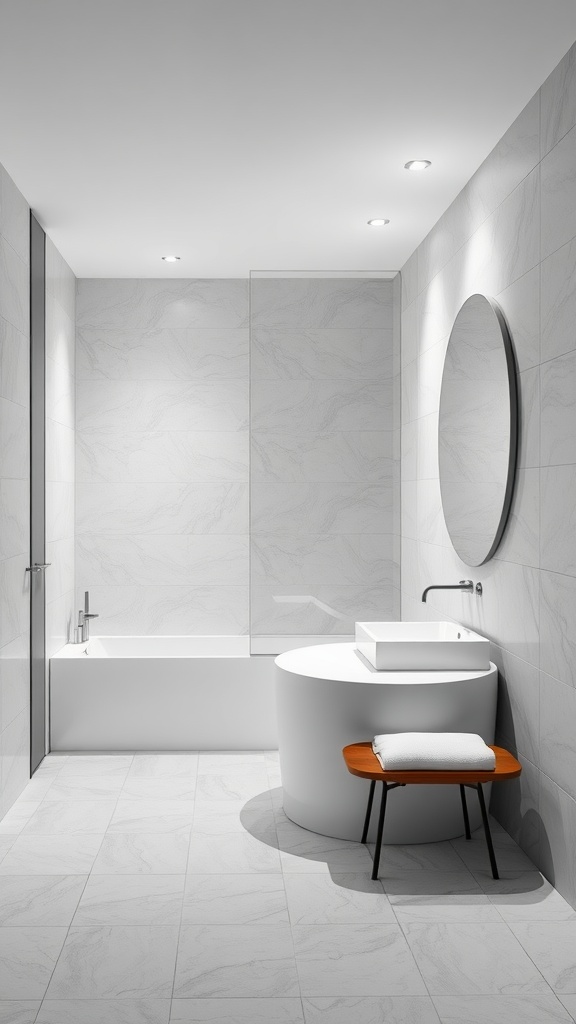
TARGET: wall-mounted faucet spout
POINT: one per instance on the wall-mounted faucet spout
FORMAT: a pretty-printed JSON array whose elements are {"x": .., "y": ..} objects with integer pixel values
[{"x": 463, "y": 585}]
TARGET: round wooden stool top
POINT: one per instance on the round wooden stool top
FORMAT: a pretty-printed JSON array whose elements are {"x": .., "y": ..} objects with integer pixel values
[{"x": 362, "y": 761}]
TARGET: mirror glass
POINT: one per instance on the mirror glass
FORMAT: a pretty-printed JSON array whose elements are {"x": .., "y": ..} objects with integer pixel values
[{"x": 477, "y": 432}]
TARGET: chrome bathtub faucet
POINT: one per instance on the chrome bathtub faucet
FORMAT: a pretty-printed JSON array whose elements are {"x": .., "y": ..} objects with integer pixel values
[{"x": 86, "y": 616}]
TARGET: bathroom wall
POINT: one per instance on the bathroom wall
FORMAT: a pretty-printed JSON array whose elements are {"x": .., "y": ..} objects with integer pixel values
[
  {"x": 511, "y": 233},
  {"x": 14, "y": 493},
  {"x": 322, "y": 424},
  {"x": 162, "y": 455},
  {"x": 60, "y": 400}
]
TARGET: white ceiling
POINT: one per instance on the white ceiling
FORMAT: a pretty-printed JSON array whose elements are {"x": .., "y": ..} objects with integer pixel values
[{"x": 245, "y": 134}]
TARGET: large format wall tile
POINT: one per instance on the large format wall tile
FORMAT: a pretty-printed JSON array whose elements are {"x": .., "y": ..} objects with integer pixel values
[
  {"x": 510, "y": 234},
  {"x": 358, "y": 559},
  {"x": 320, "y": 609},
  {"x": 162, "y": 456},
  {"x": 559, "y": 302},
  {"x": 162, "y": 560},
  {"x": 116, "y": 406},
  {"x": 278, "y": 507},
  {"x": 321, "y": 302},
  {"x": 558, "y": 410},
  {"x": 558, "y": 626},
  {"x": 119, "y": 509},
  {"x": 152, "y": 303},
  {"x": 162, "y": 453},
  {"x": 302, "y": 407},
  {"x": 339, "y": 456},
  {"x": 162, "y": 354},
  {"x": 301, "y": 353},
  {"x": 14, "y": 364},
  {"x": 559, "y": 195},
  {"x": 169, "y": 610},
  {"x": 558, "y": 101},
  {"x": 14, "y": 288}
]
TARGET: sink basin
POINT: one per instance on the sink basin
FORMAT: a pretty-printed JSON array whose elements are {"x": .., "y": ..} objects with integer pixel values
[{"x": 421, "y": 646}]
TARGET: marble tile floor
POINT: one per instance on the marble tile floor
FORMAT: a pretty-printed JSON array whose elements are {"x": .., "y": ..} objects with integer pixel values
[{"x": 159, "y": 888}]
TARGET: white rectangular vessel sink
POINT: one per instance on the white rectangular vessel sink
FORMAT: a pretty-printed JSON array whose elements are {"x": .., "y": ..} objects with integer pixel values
[{"x": 421, "y": 646}]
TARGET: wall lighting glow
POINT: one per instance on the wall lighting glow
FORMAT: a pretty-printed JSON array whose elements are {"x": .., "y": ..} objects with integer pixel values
[
  {"x": 170, "y": 259},
  {"x": 417, "y": 165},
  {"x": 378, "y": 222}
]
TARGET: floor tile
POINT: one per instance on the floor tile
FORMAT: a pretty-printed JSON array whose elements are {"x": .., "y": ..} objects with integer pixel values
[
  {"x": 223, "y": 760},
  {"x": 6, "y": 844},
  {"x": 552, "y": 947},
  {"x": 237, "y": 853},
  {"x": 152, "y": 816},
  {"x": 400, "y": 884},
  {"x": 509, "y": 856},
  {"x": 219, "y": 818},
  {"x": 541, "y": 903},
  {"x": 51, "y": 855},
  {"x": 466, "y": 959},
  {"x": 337, "y": 899},
  {"x": 77, "y": 765},
  {"x": 18, "y": 817},
  {"x": 439, "y": 856},
  {"x": 236, "y": 1011},
  {"x": 136, "y": 853},
  {"x": 235, "y": 961},
  {"x": 60, "y": 817},
  {"x": 51, "y": 765},
  {"x": 235, "y": 899},
  {"x": 569, "y": 1002},
  {"x": 302, "y": 851},
  {"x": 108, "y": 963},
  {"x": 534, "y": 1009},
  {"x": 18, "y": 1011},
  {"x": 27, "y": 959},
  {"x": 458, "y": 908},
  {"x": 39, "y": 900},
  {"x": 94, "y": 787},
  {"x": 136, "y": 788},
  {"x": 131, "y": 900},
  {"x": 370, "y": 960},
  {"x": 370, "y": 1010},
  {"x": 37, "y": 788},
  {"x": 104, "y": 1011},
  {"x": 223, "y": 784},
  {"x": 158, "y": 766}
]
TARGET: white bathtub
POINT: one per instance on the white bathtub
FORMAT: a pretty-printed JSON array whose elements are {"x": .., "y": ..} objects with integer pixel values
[{"x": 162, "y": 693}]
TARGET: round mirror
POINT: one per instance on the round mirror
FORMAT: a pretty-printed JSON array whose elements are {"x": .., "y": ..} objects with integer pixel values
[{"x": 477, "y": 432}]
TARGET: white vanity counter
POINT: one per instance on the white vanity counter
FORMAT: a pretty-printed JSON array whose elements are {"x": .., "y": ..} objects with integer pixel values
[{"x": 329, "y": 696}]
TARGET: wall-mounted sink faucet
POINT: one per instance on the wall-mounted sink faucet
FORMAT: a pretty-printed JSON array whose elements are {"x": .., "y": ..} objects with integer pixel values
[{"x": 466, "y": 585}]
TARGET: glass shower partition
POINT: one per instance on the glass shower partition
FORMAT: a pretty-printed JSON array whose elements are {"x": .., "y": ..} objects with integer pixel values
[{"x": 324, "y": 410}]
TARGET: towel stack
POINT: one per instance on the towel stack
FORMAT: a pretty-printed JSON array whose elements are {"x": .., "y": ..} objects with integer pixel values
[{"x": 433, "y": 751}]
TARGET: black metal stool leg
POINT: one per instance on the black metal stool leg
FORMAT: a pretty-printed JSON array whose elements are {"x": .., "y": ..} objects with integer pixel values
[
  {"x": 465, "y": 812},
  {"x": 368, "y": 811},
  {"x": 493, "y": 864},
  {"x": 380, "y": 832}
]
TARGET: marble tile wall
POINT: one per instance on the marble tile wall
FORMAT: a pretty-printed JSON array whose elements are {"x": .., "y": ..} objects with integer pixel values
[
  {"x": 322, "y": 454},
  {"x": 511, "y": 233},
  {"x": 162, "y": 416},
  {"x": 14, "y": 493},
  {"x": 60, "y": 415}
]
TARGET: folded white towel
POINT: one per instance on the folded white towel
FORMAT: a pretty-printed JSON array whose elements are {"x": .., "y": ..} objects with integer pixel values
[{"x": 434, "y": 751}]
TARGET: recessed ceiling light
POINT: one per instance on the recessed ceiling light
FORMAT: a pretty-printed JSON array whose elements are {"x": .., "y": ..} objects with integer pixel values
[
  {"x": 171, "y": 259},
  {"x": 378, "y": 222},
  {"x": 417, "y": 165}
]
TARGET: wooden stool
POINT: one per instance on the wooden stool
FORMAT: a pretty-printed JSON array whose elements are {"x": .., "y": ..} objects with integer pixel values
[{"x": 362, "y": 761}]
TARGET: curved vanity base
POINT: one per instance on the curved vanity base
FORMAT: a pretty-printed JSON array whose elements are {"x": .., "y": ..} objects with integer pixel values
[{"x": 328, "y": 697}]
